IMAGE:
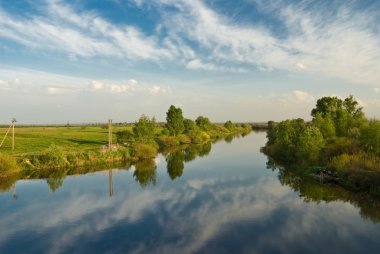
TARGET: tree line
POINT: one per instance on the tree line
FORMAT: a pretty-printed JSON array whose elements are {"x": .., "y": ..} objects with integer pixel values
[{"x": 338, "y": 138}]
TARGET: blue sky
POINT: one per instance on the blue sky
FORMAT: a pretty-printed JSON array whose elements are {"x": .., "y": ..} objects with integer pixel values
[{"x": 246, "y": 60}]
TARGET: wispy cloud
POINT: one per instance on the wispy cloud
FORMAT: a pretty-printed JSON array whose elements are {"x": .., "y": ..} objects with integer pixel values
[
  {"x": 335, "y": 41},
  {"x": 82, "y": 34}
]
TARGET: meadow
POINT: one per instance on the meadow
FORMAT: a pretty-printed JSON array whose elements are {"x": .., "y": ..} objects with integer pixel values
[{"x": 37, "y": 139}]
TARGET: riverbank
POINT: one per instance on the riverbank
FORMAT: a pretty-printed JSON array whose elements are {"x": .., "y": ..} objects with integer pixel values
[{"x": 94, "y": 151}]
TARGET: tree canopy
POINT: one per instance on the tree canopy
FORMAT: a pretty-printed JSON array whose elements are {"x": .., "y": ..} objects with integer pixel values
[{"x": 174, "y": 121}]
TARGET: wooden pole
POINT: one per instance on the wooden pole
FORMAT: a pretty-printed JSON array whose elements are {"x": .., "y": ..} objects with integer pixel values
[{"x": 13, "y": 136}]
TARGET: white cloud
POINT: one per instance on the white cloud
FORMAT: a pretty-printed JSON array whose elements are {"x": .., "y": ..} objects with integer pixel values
[
  {"x": 197, "y": 64},
  {"x": 301, "y": 96},
  {"x": 57, "y": 90},
  {"x": 123, "y": 87},
  {"x": 335, "y": 43},
  {"x": 376, "y": 89},
  {"x": 82, "y": 34}
]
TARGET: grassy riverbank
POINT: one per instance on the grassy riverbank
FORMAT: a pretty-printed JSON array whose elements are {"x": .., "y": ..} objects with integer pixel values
[{"x": 81, "y": 146}]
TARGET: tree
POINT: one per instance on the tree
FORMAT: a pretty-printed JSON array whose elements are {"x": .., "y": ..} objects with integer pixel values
[
  {"x": 325, "y": 125},
  {"x": 189, "y": 125},
  {"x": 144, "y": 130},
  {"x": 309, "y": 144},
  {"x": 229, "y": 125},
  {"x": 203, "y": 123},
  {"x": 370, "y": 136},
  {"x": 327, "y": 106},
  {"x": 174, "y": 121}
]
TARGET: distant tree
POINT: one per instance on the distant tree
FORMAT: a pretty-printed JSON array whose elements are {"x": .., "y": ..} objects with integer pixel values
[
  {"x": 327, "y": 106},
  {"x": 229, "y": 125},
  {"x": 203, "y": 123},
  {"x": 144, "y": 130},
  {"x": 346, "y": 115},
  {"x": 189, "y": 125},
  {"x": 174, "y": 121}
]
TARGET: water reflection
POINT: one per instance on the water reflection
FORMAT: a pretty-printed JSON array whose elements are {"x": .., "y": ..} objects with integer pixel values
[
  {"x": 225, "y": 203},
  {"x": 317, "y": 190},
  {"x": 145, "y": 172}
]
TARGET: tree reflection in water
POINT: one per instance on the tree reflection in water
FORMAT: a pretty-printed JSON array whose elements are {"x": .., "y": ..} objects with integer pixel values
[
  {"x": 145, "y": 172},
  {"x": 316, "y": 190}
]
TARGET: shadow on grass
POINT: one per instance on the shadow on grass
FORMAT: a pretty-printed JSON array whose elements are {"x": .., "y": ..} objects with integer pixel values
[{"x": 88, "y": 142}]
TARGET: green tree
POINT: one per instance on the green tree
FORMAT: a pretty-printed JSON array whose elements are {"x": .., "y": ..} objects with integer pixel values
[
  {"x": 370, "y": 136},
  {"x": 189, "y": 125},
  {"x": 325, "y": 125},
  {"x": 144, "y": 130},
  {"x": 174, "y": 121},
  {"x": 229, "y": 125},
  {"x": 203, "y": 123},
  {"x": 309, "y": 144},
  {"x": 327, "y": 106}
]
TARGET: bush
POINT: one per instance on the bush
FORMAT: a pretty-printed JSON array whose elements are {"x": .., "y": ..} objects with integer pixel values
[
  {"x": 8, "y": 164},
  {"x": 124, "y": 136},
  {"x": 168, "y": 141},
  {"x": 144, "y": 151},
  {"x": 53, "y": 157},
  {"x": 198, "y": 137},
  {"x": 184, "y": 139}
]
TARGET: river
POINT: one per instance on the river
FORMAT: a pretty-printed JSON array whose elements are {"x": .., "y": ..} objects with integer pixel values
[{"x": 223, "y": 200}]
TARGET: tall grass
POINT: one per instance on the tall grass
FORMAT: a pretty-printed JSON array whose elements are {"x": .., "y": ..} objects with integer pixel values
[{"x": 8, "y": 165}]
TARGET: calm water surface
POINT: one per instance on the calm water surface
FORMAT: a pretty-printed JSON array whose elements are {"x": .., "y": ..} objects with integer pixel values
[{"x": 223, "y": 202}]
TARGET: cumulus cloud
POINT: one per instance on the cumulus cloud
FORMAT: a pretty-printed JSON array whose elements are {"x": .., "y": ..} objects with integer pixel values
[{"x": 376, "y": 89}]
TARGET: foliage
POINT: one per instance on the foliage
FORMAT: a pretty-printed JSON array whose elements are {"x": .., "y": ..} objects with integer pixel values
[
  {"x": 229, "y": 125},
  {"x": 174, "y": 121},
  {"x": 144, "y": 151},
  {"x": 53, "y": 157},
  {"x": 203, "y": 123},
  {"x": 144, "y": 130},
  {"x": 370, "y": 137},
  {"x": 309, "y": 145},
  {"x": 168, "y": 141},
  {"x": 198, "y": 137},
  {"x": 325, "y": 125},
  {"x": 124, "y": 136},
  {"x": 189, "y": 125}
]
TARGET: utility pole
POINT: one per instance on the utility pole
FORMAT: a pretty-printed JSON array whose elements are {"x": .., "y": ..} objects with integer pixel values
[
  {"x": 13, "y": 133},
  {"x": 110, "y": 134}
]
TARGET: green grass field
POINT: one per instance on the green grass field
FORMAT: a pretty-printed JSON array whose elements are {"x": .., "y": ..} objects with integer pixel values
[{"x": 36, "y": 139}]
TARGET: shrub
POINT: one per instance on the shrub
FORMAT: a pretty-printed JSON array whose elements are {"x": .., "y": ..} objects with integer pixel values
[
  {"x": 53, "y": 157},
  {"x": 184, "y": 139},
  {"x": 198, "y": 137},
  {"x": 168, "y": 141},
  {"x": 144, "y": 151}
]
